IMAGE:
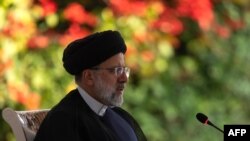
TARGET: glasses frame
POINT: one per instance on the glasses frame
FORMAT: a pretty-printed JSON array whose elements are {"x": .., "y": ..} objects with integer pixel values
[{"x": 118, "y": 71}]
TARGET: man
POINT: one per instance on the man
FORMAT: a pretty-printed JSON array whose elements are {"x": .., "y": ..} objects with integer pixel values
[{"x": 92, "y": 111}]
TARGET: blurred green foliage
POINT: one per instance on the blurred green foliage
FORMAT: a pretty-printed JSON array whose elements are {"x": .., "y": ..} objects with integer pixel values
[{"x": 186, "y": 57}]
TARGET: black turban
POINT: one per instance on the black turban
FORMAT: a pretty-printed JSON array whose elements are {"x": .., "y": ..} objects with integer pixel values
[{"x": 92, "y": 50}]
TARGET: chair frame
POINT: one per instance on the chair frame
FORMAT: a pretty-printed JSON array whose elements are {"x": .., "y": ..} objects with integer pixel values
[{"x": 18, "y": 125}]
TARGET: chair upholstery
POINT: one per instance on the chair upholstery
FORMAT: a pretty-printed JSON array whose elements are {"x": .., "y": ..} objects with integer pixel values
[{"x": 24, "y": 124}]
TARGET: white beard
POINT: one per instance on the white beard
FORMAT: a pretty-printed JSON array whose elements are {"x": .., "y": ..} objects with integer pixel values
[{"x": 106, "y": 93}]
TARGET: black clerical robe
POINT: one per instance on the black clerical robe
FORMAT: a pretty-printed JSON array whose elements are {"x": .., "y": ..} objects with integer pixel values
[{"x": 73, "y": 120}]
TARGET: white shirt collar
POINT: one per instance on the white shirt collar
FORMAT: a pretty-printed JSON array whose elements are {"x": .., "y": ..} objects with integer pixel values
[{"x": 95, "y": 105}]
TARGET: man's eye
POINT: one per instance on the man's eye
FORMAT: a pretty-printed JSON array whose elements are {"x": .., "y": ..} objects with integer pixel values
[{"x": 119, "y": 69}]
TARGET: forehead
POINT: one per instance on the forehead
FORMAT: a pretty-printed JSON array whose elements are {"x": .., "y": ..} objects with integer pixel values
[{"x": 116, "y": 60}]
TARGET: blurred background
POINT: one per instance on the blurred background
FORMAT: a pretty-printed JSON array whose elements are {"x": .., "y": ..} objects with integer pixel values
[{"x": 186, "y": 57}]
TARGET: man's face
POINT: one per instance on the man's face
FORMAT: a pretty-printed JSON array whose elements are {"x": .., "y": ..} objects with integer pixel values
[{"x": 108, "y": 84}]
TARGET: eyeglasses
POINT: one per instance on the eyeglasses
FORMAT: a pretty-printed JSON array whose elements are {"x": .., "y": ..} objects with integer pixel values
[{"x": 118, "y": 71}]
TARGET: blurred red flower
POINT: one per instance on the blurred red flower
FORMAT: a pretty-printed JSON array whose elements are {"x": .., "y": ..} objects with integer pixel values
[
  {"x": 128, "y": 7},
  {"x": 222, "y": 31},
  {"x": 199, "y": 10},
  {"x": 168, "y": 22},
  {"x": 76, "y": 13},
  {"x": 147, "y": 55},
  {"x": 38, "y": 41},
  {"x": 33, "y": 102},
  {"x": 75, "y": 31},
  {"x": 20, "y": 93},
  {"x": 15, "y": 26},
  {"x": 4, "y": 65},
  {"x": 49, "y": 7}
]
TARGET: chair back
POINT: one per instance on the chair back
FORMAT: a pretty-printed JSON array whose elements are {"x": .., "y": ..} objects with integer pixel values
[{"x": 24, "y": 124}]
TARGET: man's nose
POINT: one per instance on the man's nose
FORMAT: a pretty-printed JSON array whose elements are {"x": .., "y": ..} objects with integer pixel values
[{"x": 123, "y": 77}]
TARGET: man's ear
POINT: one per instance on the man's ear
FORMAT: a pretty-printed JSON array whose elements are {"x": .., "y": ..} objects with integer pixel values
[{"x": 88, "y": 77}]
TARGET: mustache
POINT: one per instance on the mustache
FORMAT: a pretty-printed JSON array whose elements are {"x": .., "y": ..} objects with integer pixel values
[{"x": 121, "y": 86}]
